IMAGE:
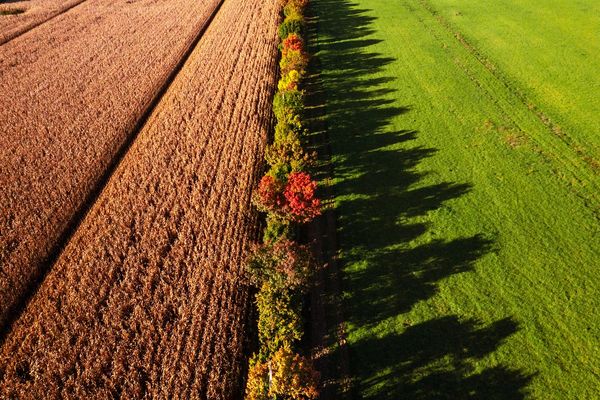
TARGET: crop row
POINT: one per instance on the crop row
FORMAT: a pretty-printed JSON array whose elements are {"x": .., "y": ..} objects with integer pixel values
[
  {"x": 147, "y": 299},
  {"x": 280, "y": 268},
  {"x": 73, "y": 91}
]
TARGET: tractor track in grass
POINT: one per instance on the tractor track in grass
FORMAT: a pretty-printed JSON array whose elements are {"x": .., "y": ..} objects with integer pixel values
[
  {"x": 146, "y": 298},
  {"x": 578, "y": 166},
  {"x": 585, "y": 155},
  {"x": 29, "y": 249}
]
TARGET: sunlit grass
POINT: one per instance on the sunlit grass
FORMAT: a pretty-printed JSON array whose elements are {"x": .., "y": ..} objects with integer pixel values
[{"x": 467, "y": 195}]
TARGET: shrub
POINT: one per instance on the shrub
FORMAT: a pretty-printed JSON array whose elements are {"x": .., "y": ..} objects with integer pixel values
[
  {"x": 293, "y": 60},
  {"x": 288, "y": 125},
  {"x": 292, "y": 10},
  {"x": 292, "y": 42},
  {"x": 298, "y": 3},
  {"x": 291, "y": 24},
  {"x": 300, "y": 197},
  {"x": 293, "y": 376},
  {"x": 269, "y": 196},
  {"x": 257, "y": 385},
  {"x": 279, "y": 318},
  {"x": 287, "y": 154},
  {"x": 283, "y": 264},
  {"x": 289, "y": 81},
  {"x": 276, "y": 228},
  {"x": 288, "y": 105},
  {"x": 293, "y": 200}
]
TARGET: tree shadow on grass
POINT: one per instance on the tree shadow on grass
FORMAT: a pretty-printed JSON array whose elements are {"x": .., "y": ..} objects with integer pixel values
[
  {"x": 379, "y": 191},
  {"x": 433, "y": 360}
]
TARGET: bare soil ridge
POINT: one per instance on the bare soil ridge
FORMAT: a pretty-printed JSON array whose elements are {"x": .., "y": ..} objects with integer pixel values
[{"x": 146, "y": 298}]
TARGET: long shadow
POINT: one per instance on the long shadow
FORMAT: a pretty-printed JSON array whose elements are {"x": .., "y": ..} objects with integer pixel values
[
  {"x": 433, "y": 360},
  {"x": 378, "y": 193}
]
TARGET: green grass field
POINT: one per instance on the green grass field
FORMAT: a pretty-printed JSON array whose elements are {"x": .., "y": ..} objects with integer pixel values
[{"x": 466, "y": 153}]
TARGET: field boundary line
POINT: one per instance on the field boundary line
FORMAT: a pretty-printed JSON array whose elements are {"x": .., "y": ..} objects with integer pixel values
[
  {"x": 39, "y": 23},
  {"x": 73, "y": 224}
]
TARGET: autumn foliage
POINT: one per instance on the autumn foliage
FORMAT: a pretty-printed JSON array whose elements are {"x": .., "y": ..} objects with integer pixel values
[
  {"x": 281, "y": 268},
  {"x": 292, "y": 42},
  {"x": 282, "y": 263},
  {"x": 294, "y": 200},
  {"x": 300, "y": 197},
  {"x": 285, "y": 375}
]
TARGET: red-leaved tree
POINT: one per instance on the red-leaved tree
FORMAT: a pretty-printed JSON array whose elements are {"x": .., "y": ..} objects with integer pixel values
[
  {"x": 294, "y": 200},
  {"x": 299, "y": 193},
  {"x": 292, "y": 42}
]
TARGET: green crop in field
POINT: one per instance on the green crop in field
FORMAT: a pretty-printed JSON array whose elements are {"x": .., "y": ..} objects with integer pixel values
[{"x": 466, "y": 148}]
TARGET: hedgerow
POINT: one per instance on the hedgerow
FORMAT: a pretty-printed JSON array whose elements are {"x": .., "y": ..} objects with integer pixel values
[
  {"x": 286, "y": 375},
  {"x": 291, "y": 24},
  {"x": 292, "y": 197},
  {"x": 282, "y": 263},
  {"x": 288, "y": 105},
  {"x": 289, "y": 81},
  {"x": 293, "y": 60},
  {"x": 281, "y": 268},
  {"x": 287, "y": 155},
  {"x": 276, "y": 228},
  {"x": 301, "y": 201}
]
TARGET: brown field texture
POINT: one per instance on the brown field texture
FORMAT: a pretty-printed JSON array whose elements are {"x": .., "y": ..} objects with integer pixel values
[
  {"x": 146, "y": 299},
  {"x": 34, "y": 12},
  {"x": 72, "y": 91}
]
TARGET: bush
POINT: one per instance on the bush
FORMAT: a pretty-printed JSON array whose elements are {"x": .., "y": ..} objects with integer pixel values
[
  {"x": 288, "y": 155},
  {"x": 283, "y": 264},
  {"x": 293, "y": 200},
  {"x": 277, "y": 227},
  {"x": 279, "y": 318},
  {"x": 291, "y": 24},
  {"x": 292, "y": 42},
  {"x": 293, "y": 376},
  {"x": 257, "y": 385},
  {"x": 288, "y": 125},
  {"x": 300, "y": 4},
  {"x": 269, "y": 196},
  {"x": 293, "y": 60},
  {"x": 292, "y": 10},
  {"x": 288, "y": 105},
  {"x": 300, "y": 198},
  {"x": 289, "y": 81}
]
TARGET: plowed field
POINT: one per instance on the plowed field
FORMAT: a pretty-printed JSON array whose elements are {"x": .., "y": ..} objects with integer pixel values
[
  {"x": 72, "y": 91},
  {"x": 30, "y": 14},
  {"x": 145, "y": 299}
]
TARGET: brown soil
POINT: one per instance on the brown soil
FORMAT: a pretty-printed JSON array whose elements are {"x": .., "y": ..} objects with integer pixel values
[
  {"x": 146, "y": 300},
  {"x": 73, "y": 90},
  {"x": 35, "y": 12}
]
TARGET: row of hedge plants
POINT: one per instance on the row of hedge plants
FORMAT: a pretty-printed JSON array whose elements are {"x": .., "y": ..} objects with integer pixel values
[{"x": 281, "y": 268}]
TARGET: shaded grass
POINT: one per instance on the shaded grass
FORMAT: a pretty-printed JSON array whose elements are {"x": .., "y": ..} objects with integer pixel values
[{"x": 468, "y": 227}]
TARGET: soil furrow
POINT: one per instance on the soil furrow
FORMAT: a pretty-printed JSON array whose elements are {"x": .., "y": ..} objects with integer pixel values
[{"x": 146, "y": 299}]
